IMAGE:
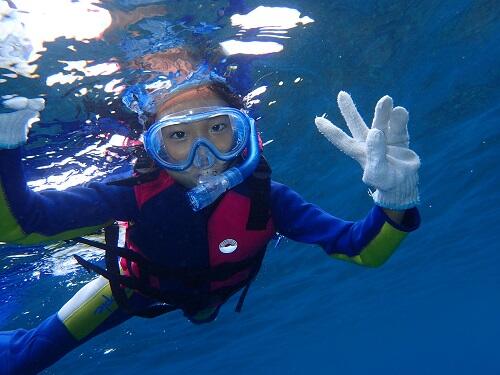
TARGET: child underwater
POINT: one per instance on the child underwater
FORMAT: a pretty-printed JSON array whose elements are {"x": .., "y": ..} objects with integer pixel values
[{"x": 198, "y": 218}]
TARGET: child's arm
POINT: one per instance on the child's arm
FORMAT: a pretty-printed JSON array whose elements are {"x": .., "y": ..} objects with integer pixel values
[
  {"x": 28, "y": 217},
  {"x": 369, "y": 242}
]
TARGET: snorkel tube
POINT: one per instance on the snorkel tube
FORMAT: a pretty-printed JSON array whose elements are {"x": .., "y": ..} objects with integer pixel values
[{"x": 212, "y": 187}]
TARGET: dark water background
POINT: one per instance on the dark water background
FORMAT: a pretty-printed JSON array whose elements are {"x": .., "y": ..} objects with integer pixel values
[{"x": 434, "y": 308}]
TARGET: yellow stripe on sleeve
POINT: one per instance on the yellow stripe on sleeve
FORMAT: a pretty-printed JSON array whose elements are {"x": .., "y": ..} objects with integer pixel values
[
  {"x": 12, "y": 233},
  {"x": 379, "y": 249},
  {"x": 88, "y": 308},
  {"x": 9, "y": 228}
]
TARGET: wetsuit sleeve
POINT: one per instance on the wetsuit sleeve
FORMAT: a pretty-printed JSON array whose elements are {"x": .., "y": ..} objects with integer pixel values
[
  {"x": 369, "y": 242},
  {"x": 28, "y": 217}
]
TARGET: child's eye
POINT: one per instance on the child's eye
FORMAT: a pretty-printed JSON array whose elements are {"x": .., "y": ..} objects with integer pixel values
[
  {"x": 217, "y": 128},
  {"x": 178, "y": 135}
]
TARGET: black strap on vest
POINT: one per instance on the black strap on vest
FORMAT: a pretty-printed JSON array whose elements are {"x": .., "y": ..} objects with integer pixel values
[
  {"x": 260, "y": 212},
  {"x": 111, "y": 235},
  {"x": 260, "y": 190}
]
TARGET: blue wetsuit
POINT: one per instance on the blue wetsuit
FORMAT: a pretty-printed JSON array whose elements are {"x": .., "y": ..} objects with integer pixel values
[{"x": 169, "y": 233}]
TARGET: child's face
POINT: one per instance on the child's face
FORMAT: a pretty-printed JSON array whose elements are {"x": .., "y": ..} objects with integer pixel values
[{"x": 179, "y": 138}]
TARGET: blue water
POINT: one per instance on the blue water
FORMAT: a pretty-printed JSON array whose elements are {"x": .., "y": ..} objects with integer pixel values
[{"x": 434, "y": 308}]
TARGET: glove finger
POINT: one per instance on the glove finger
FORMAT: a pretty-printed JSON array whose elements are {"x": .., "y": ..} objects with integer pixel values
[
  {"x": 353, "y": 119},
  {"x": 376, "y": 148},
  {"x": 20, "y": 102},
  {"x": 382, "y": 115},
  {"x": 398, "y": 128},
  {"x": 340, "y": 139},
  {"x": 376, "y": 160},
  {"x": 17, "y": 103}
]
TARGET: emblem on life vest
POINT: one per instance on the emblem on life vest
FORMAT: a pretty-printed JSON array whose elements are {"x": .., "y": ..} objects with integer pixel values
[{"x": 228, "y": 246}]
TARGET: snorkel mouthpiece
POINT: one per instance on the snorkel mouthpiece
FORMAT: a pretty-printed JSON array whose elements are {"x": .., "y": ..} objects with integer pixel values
[{"x": 212, "y": 187}]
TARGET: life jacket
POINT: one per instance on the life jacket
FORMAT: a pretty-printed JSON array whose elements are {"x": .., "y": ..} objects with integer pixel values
[{"x": 246, "y": 218}]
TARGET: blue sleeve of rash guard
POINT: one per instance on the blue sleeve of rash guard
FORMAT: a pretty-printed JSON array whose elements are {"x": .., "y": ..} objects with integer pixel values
[
  {"x": 29, "y": 217},
  {"x": 370, "y": 241}
]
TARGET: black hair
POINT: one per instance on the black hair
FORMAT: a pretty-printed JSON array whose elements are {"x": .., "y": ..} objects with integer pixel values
[{"x": 227, "y": 93}]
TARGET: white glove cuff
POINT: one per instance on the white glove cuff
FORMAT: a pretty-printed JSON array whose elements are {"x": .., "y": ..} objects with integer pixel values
[
  {"x": 403, "y": 197},
  {"x": 14, "y": 127}
]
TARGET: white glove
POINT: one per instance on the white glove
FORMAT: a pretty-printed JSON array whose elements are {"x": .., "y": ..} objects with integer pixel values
[
  {"x": 14, "y": 126},
  {"x": 389, "y": 166}
]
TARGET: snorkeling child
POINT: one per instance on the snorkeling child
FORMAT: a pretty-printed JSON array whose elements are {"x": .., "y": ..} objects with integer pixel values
[{"x": 198, "y": 218}]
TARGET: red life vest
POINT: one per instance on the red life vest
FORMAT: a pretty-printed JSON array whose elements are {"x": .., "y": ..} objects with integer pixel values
[
  {"x": 238, "y": 231},
  {"x": 230, "y": 216}
]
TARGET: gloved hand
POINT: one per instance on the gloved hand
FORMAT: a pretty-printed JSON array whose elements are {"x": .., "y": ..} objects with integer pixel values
[
  {"x": 389, "y": 166},
  {"x": 14, "y": 126}
]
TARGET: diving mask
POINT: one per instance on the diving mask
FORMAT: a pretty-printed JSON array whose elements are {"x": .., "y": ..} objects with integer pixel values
[{"x": 198, "y": 137}]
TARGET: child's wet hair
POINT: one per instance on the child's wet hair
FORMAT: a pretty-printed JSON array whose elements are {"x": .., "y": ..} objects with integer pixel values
[
  {"x": 222, "y": 90},
  {"x": 226, "y": 93}
]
